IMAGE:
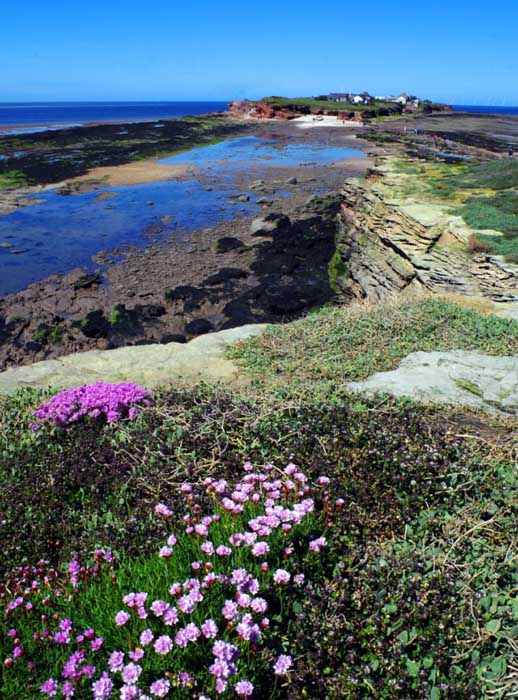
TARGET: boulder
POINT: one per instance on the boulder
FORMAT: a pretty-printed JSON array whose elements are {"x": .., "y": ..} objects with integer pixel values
[
  {"x": 198, "y": 326},
  {"x": 264, "y": 225},
  {"x": 225, "y": 275},
  {"x": 185, "y": 292},
  {"x": 94, "y": 324},
  {"x": 173, "y": 338},
  {"x": 458, "y": 377},
  {"x": 86, "y": 281},
  {"x": 291, "y": 299},
  {"x": 227, "y": 243},
  {"x": 147, "y": 312}
]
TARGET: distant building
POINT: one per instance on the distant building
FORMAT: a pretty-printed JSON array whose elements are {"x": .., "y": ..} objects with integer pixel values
[
  {"x": 350, "y": 98},
  {"x": 402, "y": 99}
]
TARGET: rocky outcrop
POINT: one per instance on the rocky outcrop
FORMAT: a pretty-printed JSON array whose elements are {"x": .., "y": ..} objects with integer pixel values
[
  {"x": 456, "y": 378},
  {"x": 258, "y": 110},
  {"x": 153, "y": 365},
  {"x": 388, "y": 245}
]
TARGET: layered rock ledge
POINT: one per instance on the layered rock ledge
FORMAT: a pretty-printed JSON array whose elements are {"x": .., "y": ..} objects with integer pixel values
[{"x": 392, "y": 242}]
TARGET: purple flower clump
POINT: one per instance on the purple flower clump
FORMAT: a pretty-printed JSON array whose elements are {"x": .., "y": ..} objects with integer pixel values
[{"x": 110, "y": 402}]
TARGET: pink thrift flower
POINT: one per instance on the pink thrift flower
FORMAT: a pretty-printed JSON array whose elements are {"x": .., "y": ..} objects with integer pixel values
[
  {"x": 207, "y": 548},
  {"x": 68, "y": 690},
  {"x": 163, "y": 645},
  {"x": 116, "y": 661},
  {"x": 244, "y": 689},
  {"x": 136, "y": 655},
  {"x": 221, "y": 686},
  {"x": 146, "y": 637},
  {"x": 96, "y": 644},
  {"x": 160, "y": 688},
  {"x": 131, "y": 673},
  {"x": 163, "y": 510},
  {"x": 282, "y": 665},
  {"x": 192, "y": 632},
  {"x": 121, "y": 618},
  {"x": 318, "y": 544},
  {"x": 229, "y": 610},
  {"x": 181, "y": 640},
  {"x": 259, "y": 605},
  {"x": 102, "y": 688},
  {"x": 165, "y": 552},
  {"x": 223, "y": 551},
  {"x": 170, "y": 617},
  {"x": 158, "y": 607},
  {"x": 50, "y": 687},
  {"x": 209, "y": 629},
  {"x": 281, "y": 576},
  {"x": 260, "y": 549},
  {"x": 129, "y": 692}
]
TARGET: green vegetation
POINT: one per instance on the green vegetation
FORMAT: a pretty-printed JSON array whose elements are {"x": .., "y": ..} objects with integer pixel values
[
  {"x": 499, "y": 213},
  {"x": 324, "y": 104},
  {"x": 416, "y": 590},
  {"x": 13, "y": 178},
  {"x": 484, "y": 194},
  {"x": 338, "y": 344}
]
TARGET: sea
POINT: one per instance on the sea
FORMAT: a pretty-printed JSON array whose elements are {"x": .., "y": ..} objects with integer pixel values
[
  {"x": 487, "y": 109},
  {"x": 31, "y": 117}
]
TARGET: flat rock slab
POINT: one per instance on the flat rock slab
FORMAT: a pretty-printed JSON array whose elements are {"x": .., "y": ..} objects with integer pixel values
[
  {"x": 457, "y": 378},
  {"x": 151, "y": 365}
]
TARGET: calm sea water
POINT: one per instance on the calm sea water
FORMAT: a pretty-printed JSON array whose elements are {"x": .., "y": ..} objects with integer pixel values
[
  {"x": 36, "y": 116},
  {"x": 487, "y": 109}
]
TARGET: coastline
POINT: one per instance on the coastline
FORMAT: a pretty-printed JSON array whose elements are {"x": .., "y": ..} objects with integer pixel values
[{"x": 222, "y": 276}]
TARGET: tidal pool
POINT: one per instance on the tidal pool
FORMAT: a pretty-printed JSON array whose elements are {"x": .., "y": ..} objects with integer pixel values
[
  {"x": 63, "y": 232},
  {"x": 265, "y": 152}
]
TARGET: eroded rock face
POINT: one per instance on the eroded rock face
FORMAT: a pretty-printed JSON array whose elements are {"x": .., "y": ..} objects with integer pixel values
[
  {"x": 389, "y": 245},
  {"x": 457, "y": 378}
]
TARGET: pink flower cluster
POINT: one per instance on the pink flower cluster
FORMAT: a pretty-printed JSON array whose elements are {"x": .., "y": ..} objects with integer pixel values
[
  {"x": 109, "y": 402},
  {"x": 33, "y": 593},
  {"x": 204, "y": 630},
  {"x": 251, "y": 522}
]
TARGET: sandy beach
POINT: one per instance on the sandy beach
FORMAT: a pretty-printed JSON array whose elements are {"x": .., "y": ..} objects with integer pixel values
[{"x": 309, "y": 121}]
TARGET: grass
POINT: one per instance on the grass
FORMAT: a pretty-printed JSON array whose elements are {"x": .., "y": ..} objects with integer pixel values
[
  {"x": 339, "y": 344},
  {"x": 499, "y": 213}
]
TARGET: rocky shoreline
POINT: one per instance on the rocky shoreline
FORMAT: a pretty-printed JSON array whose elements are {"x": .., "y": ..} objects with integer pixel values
[
  {"x": 314, "y": 240},
  {"x": 268, "y": 268}
]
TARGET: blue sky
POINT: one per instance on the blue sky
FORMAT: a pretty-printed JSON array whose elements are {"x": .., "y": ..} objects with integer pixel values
[{"x": 458, "y": 51}]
